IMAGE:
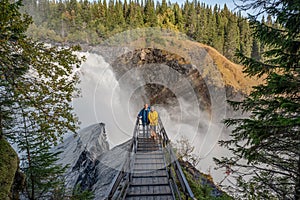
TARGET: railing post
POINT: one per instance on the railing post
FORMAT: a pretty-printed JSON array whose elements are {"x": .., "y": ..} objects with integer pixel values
[
  {"x": 177, "y": 168},
  {"x": 125, "y": 169}
]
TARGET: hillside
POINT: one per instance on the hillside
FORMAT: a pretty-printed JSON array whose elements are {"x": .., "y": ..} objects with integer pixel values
[
  {"x": 92, "y": 22},
  {"x": 211, "y": 76},
  {"x": 183, "y": 50}
]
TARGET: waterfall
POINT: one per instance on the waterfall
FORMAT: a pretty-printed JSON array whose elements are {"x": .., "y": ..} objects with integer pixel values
[
  {"x": 105, "y": 99},
  {"x": 101, "y": 100}
]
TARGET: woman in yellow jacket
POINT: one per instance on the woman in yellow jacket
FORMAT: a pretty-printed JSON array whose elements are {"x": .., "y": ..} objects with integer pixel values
[{"x": 153, "y": 119}]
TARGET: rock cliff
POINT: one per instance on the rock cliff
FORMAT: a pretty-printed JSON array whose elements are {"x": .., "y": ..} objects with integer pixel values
[
  {"x": 11, "y": 179},
  {"x": 164, "y": 66},
  {"x": 92, "y": 165}
]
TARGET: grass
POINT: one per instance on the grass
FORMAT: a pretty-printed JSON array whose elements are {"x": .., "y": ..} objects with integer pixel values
[
  {"x": 231, "y": 73},
  {"x": 203, "y": 192}
]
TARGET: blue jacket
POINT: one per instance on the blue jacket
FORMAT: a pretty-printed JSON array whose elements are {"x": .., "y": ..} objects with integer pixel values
[{"x": 144, "y": 114}]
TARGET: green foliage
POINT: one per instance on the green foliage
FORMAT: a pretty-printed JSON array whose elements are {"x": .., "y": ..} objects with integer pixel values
[
  {"x": 203, "y": 191},
  {"x": 37, "y": 84},
  {"x": 78, "y": 194},
  {"x": 43, "y": 175},
  {"x": 92, "y": 22},
  {"x": 266, "y": 144}
]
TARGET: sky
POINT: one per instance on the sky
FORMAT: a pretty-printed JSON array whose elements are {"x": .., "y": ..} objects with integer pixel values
[{"x": 229, "y": 3}]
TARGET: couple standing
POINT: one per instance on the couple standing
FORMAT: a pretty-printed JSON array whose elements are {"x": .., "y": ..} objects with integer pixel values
[{"x": 148, "y": 115}]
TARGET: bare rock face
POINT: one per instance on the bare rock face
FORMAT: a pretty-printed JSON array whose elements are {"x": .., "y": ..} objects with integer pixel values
[
  {"x": 151, "y": 61},
  {"x": 212, "y": 78},
  {"x": 210, "y": 87},
  {"x": 92, "y": 165}
]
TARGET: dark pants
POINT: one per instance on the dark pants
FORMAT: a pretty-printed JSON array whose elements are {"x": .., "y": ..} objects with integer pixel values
[{"x": 145, "y": 130}]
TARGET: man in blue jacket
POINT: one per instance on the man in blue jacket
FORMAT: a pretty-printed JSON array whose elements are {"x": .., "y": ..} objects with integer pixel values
[{"x": 143, "y": 115}]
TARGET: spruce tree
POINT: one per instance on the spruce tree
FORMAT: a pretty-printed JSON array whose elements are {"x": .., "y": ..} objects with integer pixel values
[
  {"x": 162, "y": 7},
  {"x": 211, "y": 27},
  {"x": 255, "y": 50},
  {"x": 178, "y": 17},
  {"x": 266, "y": 144},
  {"x": 245, "y": 36},
  {"x": 231, "y": 40},
  {"x": 150, "y": 19},
  {"x": 218, "y": 42},
  {"x": 81, "y": 21},
  {"x": 119, "y": 16},
  {"x": 37, "y": 84},
  {"x": 44, "y": 177}
]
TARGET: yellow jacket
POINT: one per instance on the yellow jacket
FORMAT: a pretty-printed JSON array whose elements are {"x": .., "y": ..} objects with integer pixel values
[{"x": 153, "y": 118}]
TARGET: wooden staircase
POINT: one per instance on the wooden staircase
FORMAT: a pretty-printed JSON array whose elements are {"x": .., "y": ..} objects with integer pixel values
[
  {"x": 145, "y": 174},
  {"x": 150, "y": 179}
]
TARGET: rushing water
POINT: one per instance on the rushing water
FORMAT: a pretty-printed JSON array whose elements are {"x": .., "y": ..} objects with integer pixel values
[{"x": 103, "y": 100}]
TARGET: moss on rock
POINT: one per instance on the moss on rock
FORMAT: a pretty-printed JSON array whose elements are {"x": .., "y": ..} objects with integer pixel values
[{"x": 8, "y": 167}]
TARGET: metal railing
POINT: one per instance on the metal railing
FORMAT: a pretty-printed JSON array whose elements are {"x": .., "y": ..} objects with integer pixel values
[
  {"x": 123, "y": 177},
  {"x": 174, "y": 165},
  {"x": 124, "y": 174}
]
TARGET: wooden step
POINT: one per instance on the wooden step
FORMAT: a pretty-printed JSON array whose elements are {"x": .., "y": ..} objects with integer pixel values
[
  {"x": 148, "y": 144},
  {"x": 149, "y": 161},
  {"x": 159, "y": 190},
  {"x": 164, "y": 197},
  {"x": 160, "y": 153},
  {"x": 150, "y": 180},
  {"x": 148, "y": 168},
  {"x": 155, "y": 173},
  {"x": 148, "y": 149},
  {"x": 149, "y": 155}
]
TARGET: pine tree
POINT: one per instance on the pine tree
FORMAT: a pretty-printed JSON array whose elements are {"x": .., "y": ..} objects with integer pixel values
[
  {"x": 178, "y": 17},
  {"x": 37, "y": 84},
  {"x": 218, "y": 42},
  {"x": 231, "y": 40},
  {"x": 245, "y": 36},
  {"x": 266, "y": 144},
  {"x": 255, "y": 52},
  {"x": 162, "y": 7},
  {"x": 150, "y": 18}
]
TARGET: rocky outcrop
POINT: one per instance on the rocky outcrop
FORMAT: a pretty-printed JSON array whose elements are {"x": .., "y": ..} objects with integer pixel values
[
  {"x": 195, "y": 177},
  {"x": 178, "y": 68},
  {"x": 91, "y": 164},
  {"x": 213, "y": 78},
  {"x": 11, "y": 179}
]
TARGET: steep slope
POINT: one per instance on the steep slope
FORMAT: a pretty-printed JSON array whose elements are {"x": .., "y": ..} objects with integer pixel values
[
  {"x": 202, "y": 184},
  {"x": 232, "y": 73},
  {"x": 92, "y": 166},
  {"x": 148, "y": 51}
]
